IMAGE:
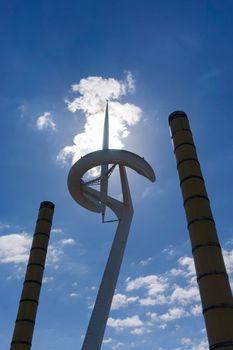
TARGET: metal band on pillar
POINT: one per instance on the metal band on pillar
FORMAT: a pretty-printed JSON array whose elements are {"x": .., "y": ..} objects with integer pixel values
[
  {"x": 212, "y": 278},
  {"x": 25, "y": 321}
]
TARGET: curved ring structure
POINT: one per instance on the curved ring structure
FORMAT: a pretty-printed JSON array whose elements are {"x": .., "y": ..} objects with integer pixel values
[{"x": 108, "y": 156}]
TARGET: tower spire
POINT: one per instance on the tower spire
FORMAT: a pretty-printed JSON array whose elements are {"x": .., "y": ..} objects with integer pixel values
[
  {"x": 104, "y": 167},
  {"x": 106, "y": 129}
]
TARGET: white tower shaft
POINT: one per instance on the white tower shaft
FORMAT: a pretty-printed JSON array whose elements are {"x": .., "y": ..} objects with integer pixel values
[
  {"x": 104, "y": 167},
  {"x": 96, "y": 328}
]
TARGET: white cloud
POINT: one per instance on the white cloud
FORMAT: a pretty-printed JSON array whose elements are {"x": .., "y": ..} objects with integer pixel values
[
  {"x": 153, "y": 316},
  {"x": 162, "y": 326},
  {"x": 158, "y": 299},
  {"x": 55, "y": 252},
  {"x": 73, "y": 295},
  {"x": 231, "y": 284},
  {"x": 169, "y": 251},
  {"x": 67, "y": 241},
  {"x": 203, "y": 345},
  {"x": 128, "y": 322},
  {"x": 185, "y": 341},
  {"x": 188, "y": 264},
  {"x": 14, "y": 248},
  {"x": 182, "y": 300},
  {"x": 196, "y": 310},
  {"x": 66, "y": 152},
  {"x": 153, "y": 284},
  {"x": 228, "y": 258},
  {"x": 173, "y": 314},
  {"x": 176, "y": 272},
  {"x": 96, "y": 90},
  {"x": 93, "y": 92},
  {"x": 117, "y": 345},
  {"x": 56, "y": 230},
  {"x": 91, "y": 305},
  {"x": 4, "y": 226},
  {"x": 131, "y": 82},
  {"x": 107, "y": 340},
  {"x": 139, "y": 331},
  {"x": 47, "y": 279},
  {"x": 185, "y": 295},
  {"x": 121, "y": 300},
  {"x": 145, "y": 262},
  {"x": 17, "y": 273},
  {"x": 45, "y": 122},
  {"x": 22, "y": 109}
]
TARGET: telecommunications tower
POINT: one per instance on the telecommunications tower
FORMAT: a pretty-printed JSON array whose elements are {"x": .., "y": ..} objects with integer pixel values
[{"x": 97, "y": 201}]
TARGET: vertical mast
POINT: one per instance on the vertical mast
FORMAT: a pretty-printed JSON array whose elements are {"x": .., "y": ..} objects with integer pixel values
[
  {"x": 104, "y": 168},
  {"x": 106, "y": 129}
]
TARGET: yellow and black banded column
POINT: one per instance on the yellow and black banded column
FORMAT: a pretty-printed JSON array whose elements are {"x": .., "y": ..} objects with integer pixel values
[
  {"x": 25, "y": 322},
  {"x": 214, "y": 287}
]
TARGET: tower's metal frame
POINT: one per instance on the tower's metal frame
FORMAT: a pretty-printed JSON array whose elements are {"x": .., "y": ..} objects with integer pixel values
[{"x": 97, "y": 201}]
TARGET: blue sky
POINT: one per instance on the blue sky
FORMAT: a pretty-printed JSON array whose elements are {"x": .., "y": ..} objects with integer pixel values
[{"x": 161, "y": 56}]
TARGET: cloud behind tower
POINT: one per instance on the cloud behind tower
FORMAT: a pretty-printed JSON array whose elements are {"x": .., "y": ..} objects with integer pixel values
[{"x": 93, "y": 92}]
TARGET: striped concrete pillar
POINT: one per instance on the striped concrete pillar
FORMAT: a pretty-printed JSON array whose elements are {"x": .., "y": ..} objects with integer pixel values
[
  {"x": 214, "y": 287},
  {"x": 25, "y": 321}
]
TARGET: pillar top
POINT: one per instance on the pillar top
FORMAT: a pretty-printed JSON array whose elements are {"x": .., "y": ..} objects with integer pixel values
[
  {"x": 177, "y": 114},
  {"x": 47, "y": 204}
]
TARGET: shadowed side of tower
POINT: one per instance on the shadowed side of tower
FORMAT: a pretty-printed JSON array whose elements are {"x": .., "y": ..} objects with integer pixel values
[
  {"x": 214, "y": 287},
  {"x": 25, "y": 321}
]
